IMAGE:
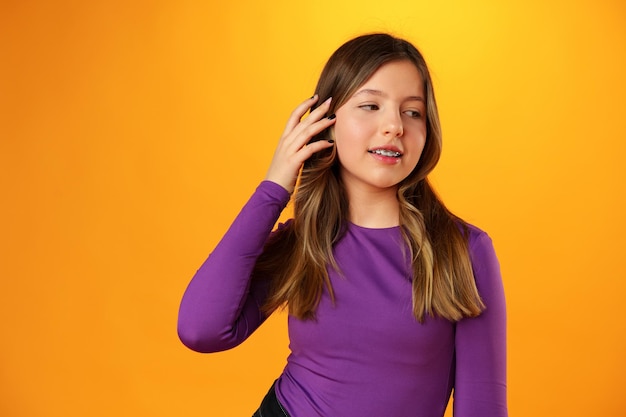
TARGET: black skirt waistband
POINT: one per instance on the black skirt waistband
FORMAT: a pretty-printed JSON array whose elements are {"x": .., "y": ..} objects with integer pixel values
[{"x": 270, "y": 406}]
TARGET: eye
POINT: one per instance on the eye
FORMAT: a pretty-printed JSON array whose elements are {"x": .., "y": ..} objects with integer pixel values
[
  {"x": 414, "y": 114},
  {"x": 369, "y": 107}
]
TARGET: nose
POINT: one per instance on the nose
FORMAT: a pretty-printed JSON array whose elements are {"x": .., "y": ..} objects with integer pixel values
[{"x": 392, "y": 124}]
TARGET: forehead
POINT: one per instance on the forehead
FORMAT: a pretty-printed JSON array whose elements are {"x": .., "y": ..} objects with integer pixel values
[{"x": 394, "y": 76}]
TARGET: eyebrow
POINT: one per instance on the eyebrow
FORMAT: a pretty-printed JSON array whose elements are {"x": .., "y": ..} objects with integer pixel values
[{"x": 382, "y": 94}]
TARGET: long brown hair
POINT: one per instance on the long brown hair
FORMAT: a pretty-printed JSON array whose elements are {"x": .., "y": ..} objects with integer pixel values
[{"x": 297, "y": 256}]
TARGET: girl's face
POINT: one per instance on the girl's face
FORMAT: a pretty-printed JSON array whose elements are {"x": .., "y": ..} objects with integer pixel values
[{"x": 380, "y": 131}]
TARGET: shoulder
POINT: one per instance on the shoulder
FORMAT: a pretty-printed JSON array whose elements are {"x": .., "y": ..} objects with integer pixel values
[
  {"x": 477, "y": 237},
  {"x": 484, "y": 259}
]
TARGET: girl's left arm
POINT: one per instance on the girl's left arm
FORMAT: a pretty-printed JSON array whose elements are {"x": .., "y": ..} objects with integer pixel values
[{"x": 480, "y": 381}]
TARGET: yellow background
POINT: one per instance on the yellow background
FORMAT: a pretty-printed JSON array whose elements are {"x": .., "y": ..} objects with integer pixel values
[{"x": 132, "y": 132}]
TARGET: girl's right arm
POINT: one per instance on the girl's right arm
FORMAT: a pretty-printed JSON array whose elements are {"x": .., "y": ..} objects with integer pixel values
[{"x": 221, "y": 306}]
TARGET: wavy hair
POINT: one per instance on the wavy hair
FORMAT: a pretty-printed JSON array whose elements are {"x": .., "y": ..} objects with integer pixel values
[{"x": 296, "y": 257}]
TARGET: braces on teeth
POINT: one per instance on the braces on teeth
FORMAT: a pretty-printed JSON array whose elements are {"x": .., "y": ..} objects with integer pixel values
[{"x": 385, "y": 152}]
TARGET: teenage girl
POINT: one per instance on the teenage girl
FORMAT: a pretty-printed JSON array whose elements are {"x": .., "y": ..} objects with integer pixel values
[{"x": 394, "y": 302}]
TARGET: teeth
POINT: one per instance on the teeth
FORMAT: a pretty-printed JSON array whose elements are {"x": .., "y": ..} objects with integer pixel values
[{"x": 385, "y": 152}]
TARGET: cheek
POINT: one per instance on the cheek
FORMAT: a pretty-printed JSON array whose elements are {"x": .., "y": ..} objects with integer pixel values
[
  {"x": 349, "y": 130},
  {"x": 346, "y": 140},
  {"x": 416, "y": 137},
  {"x": 418, "y": 151},
  {"x": 340, "y": 129}
]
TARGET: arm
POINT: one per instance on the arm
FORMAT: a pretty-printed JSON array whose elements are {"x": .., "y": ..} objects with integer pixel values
[
  {"x": 480, "y": 381},
  {"x": 221, "y": 307}
]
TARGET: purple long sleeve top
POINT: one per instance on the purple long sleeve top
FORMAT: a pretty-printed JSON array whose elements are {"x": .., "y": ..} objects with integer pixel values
[{"x": 366, "y": 354}]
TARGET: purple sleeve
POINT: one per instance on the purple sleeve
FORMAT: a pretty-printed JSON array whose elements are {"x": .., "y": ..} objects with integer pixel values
[
  {"x": 221, "y": 307},
  {"x": 480, "y": 381}
]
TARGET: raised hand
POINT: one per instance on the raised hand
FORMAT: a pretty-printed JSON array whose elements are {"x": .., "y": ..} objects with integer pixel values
[{"x": 294, "y": 147}]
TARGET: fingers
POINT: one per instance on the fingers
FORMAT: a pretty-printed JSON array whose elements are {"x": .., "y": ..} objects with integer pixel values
[
  {"x": 302, "y": 133},
  {"x": 295, "y": 145},
  {"x": 295, "y": 122},
  {"x": 313, "y": 147},
  {"x": 298, "y": 113},
  {"x": 285, "y": 166}
]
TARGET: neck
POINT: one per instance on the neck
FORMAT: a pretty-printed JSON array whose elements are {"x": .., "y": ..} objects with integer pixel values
[{"x": 374, "y": 209}]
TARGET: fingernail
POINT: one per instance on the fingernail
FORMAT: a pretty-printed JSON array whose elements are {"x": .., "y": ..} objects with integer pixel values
[
  {"x": 332, "y": 116},
  {"x": 331, "y": 141},
  {"x": 313, "y": 96}
]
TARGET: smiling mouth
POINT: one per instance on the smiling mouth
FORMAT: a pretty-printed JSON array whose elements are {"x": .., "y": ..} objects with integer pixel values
[{"x": 385, "y": 152}]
